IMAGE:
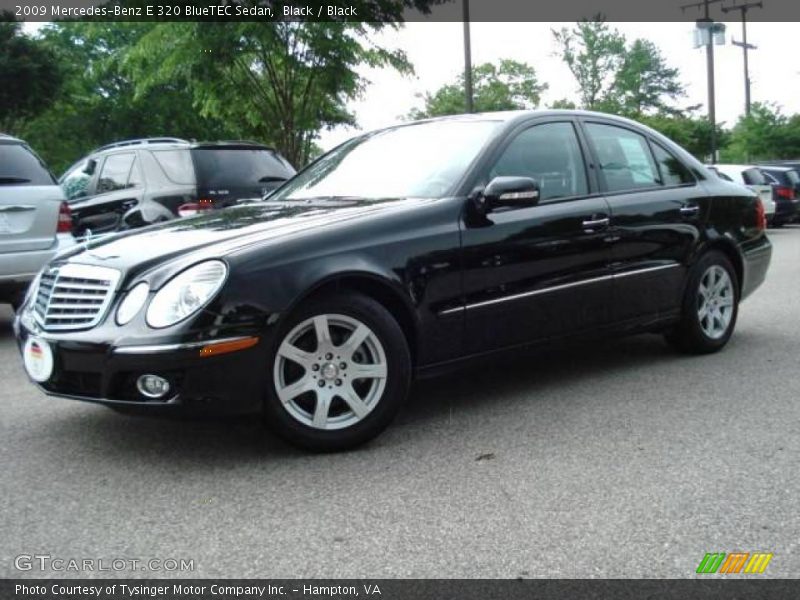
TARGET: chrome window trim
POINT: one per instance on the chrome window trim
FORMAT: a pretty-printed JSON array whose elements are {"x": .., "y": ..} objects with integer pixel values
[{"x": 556, "y": 288}]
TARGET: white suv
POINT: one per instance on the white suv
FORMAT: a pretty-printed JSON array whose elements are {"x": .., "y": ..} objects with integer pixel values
[
  {"x": 750, "y": 176},
  {"x": 35, "y": 220}
]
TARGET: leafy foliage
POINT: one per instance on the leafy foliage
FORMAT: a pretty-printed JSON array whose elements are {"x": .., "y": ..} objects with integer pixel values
[
  {"x": 643, "y": 83},
  {"x": 693, "y": 133},
  {"x": 30, "y": 76},
  {"x": 511, "y": 85},
  {"x": 594, "y": 53},
  {"x": 282, "y": 82},
  {"x": 97, "y": 103},
  {"x": 766, "y": 134}
]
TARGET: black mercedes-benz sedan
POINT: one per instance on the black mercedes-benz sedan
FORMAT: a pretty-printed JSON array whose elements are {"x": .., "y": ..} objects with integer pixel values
[{"x": 398, "y": 253}]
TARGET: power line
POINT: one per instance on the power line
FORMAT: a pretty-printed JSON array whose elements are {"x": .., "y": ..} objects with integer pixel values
[{"x": 744, "y": 46}]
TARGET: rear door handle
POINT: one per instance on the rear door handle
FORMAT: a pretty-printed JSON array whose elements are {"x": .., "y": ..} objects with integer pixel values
[
  {"x": 593, "y": 225},
  {"x": 689, "y": 210},
  {"x": 17, "y": 208}
]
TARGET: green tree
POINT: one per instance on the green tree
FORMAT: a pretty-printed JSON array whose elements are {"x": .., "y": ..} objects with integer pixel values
[
  {"x": 614, "y": 76},
  {"x": 691, "y": 132},
  {"x": 281, "y": 82},
  {"x": 97, "y": 103},
  {"x": 563, "y": 103},
  {"x": 765, "y": 134},
  {"x": 510, "y": 85},
  {"x": 30, "y": 76},
  {"x": 644, "y": 83},
  {"x": 594, "y": 53}
]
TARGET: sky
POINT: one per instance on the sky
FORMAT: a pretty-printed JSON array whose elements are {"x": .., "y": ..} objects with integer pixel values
[{"x": 436, "y": 51}]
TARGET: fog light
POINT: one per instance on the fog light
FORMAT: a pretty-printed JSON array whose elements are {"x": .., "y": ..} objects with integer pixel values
[{"x": 152, "y": 386}]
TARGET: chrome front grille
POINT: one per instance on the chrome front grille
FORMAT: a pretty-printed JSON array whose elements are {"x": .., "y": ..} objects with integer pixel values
[{"x": 74, "y": 296}]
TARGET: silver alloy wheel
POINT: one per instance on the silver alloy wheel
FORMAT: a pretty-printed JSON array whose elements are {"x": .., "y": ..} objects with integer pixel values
[
  {"x": 715, "y": 302},
  {"x": 330, "y": 371}
]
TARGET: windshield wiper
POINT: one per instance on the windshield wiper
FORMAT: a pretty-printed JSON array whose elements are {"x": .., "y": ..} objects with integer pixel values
[
  {"x": 14, "y": 180},
  {"x": 269, "y": 178}
]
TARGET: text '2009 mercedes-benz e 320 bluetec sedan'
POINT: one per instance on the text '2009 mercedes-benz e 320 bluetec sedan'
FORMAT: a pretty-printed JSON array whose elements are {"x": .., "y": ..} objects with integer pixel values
[{"x": 398, "y": 252}]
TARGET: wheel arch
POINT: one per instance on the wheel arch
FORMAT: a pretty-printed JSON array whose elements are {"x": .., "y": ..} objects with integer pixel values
[
  {"x": 377, "y": 287},
  {"x": 728, "y": 248}
]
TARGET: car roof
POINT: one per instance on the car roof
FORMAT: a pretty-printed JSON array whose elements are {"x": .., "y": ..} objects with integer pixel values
[
  {"x": 234, "y": 145},
  {"x": 4, "y": 137},
  {"x": 513, "y": 115},
  {"x": 742, "y": 167},
  {"x": 168, "y": 142},
  {"x": 781, "y": 168}
]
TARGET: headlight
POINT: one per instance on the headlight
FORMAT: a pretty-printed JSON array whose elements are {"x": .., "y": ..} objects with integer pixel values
[
  {"x": 132, "y": 303},
  {"x": 33, "y": 288},
  {"x": 186, "y": 293}
]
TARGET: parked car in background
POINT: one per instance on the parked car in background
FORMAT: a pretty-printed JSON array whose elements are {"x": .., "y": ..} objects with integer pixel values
[
  {"x": 785, "y": 183},
  {"x": 752, "y": 178},
  {"x": 401, "y": 252},
  {"x": 35, "y": 220},
  {"x": 139, "y": 182}
]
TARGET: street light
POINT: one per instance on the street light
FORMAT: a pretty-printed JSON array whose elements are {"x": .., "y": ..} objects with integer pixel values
[{"x": 707, "y": 34}]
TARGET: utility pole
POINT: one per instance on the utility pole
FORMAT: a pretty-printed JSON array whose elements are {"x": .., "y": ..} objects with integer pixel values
[
  {"x": 707, "y": 23},
  {"x": 467, "y": 59},
  {"x": 745, "y": 46}
]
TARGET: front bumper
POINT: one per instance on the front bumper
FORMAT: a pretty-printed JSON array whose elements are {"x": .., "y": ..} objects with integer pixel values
[{"x": 226, "y": 384}]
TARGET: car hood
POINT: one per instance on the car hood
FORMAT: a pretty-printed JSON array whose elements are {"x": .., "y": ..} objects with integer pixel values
[{"x": 221, "y": 232}]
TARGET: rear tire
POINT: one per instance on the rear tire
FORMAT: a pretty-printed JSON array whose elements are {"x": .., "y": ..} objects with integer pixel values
[
  {"x": 314, "y": 399},
  {"x": 710, "y": 306}
]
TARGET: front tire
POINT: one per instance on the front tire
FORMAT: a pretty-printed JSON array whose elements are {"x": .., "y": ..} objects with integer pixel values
[
  {"x": 710, "y": 306},
  {"x": 339, "y": 370}
]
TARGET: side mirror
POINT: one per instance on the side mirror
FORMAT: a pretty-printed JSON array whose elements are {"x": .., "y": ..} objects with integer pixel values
[{"x": 511, "y": 191}]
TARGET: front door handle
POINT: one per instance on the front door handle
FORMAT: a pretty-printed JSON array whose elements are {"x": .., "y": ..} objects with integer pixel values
[
  {"x": 593, "y": 225},
  {"x": 689, "y": 210}
]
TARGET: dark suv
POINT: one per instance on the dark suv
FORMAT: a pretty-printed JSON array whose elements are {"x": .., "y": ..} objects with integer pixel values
[
  {"x": 138, "y": 182},
  {"x": 785, "y": 181}
]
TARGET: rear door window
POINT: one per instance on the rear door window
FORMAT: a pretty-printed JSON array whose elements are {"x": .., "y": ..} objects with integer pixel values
[
  {"x": 115, "y": 173},
  {"x": 624, "y": 156},
  {"x": 177, "y": 165},
  {"x": 222, "y": 168},
  {"x": 20, "y": 166}
]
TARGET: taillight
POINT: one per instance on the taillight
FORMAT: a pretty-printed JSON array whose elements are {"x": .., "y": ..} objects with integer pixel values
[
  {"x": 192, "y": 208},
  {"x": 64, "y": 219},
  {"x": 761, "y": 215},
  {"x": 784, "y": 192}
]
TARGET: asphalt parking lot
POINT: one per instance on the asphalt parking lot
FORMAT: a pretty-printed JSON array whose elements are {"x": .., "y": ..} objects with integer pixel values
[{"x": 616, "y": 460}]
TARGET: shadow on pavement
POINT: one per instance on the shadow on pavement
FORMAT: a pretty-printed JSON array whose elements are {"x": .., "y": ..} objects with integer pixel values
[
  {"x": 500, "y": 384},
  {"x": 200, "y": 443}
]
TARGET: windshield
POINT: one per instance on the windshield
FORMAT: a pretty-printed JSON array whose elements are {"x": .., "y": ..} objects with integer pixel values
[{"x": 424, "y": 160}]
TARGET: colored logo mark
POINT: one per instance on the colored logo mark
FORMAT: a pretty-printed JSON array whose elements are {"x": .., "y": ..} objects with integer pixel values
[{"x": 735, "y": 562}]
